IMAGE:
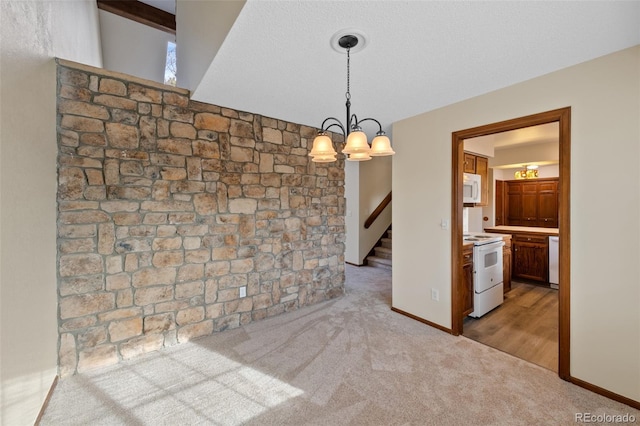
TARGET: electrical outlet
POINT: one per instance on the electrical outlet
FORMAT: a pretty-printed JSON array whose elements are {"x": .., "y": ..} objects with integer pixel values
[
  {"x": 435, "y": 295},
  {"x": 243, "y": 291}
]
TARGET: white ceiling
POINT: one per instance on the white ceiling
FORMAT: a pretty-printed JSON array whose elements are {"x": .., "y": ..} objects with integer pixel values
[
  {"x": 420, "y": 55},
  {"x": 542, "y": 133},
  {"x": 534, "y": 135}
]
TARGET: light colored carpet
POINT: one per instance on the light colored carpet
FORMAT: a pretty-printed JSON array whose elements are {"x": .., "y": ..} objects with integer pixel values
[{"x": 347, "y": 361}]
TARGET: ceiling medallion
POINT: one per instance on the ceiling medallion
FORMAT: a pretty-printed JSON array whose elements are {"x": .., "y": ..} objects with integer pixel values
[{"x": 361, "y": 43}]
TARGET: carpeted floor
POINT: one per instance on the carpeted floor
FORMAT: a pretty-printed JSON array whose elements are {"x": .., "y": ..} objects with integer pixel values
[{"x": 350, "y": 361}]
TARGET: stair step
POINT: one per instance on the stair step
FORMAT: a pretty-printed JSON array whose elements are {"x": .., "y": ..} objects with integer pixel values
[
  {"x": 379, "y": 262},
  {"x": 386, "y": 242},
  {"x": 383, "y": 252}
]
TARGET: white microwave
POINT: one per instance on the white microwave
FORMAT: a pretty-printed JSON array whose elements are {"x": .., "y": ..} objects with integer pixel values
[{"x": 471, "y": 188}]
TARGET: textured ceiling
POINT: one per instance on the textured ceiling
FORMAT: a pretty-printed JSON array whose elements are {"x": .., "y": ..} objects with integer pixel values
[{"x": 420, "y": 55}]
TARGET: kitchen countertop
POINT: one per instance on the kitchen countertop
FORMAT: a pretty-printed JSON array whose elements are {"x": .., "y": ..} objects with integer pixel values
[{"x": 522, "y": 229}]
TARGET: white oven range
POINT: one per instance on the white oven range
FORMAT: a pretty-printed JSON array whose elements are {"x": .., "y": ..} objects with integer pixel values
[{"x": 487, "y": 272}]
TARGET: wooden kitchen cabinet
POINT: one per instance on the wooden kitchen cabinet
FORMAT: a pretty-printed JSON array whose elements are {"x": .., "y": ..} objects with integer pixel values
[
  {"x": 466, "y": 283},
  {"x": 500, "y": 195},
  {"x": 482, "y": 169},
  {"x": 548, "y": 200},
  {"x": 530, "y": 257},
  {"x": 469, "y": 165},
  {"x": 529, "y": 203},
  {"x": 506, "y": 263},
  {"x": 480, "y": 166}
]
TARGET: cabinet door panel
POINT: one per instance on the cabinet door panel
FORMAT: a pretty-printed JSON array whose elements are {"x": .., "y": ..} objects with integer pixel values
[
  {"x": 506, "y": 268},
  {"x": 514, "y": 204},
  {"x": 530, "y": 203},
  {"x": 548, "y": 186},
  {"x": 500, "y": 207},
  {"x": 466, "y": 287},
  {"x": 469, "y": 165},
  {"x": 482, "y": 168},
  {"x": 548, "y": 205},
  {"x": 530, "y": 261}
]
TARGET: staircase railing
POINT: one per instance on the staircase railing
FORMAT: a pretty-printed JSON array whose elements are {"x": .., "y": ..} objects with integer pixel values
[{"x": 374, "y": 215}]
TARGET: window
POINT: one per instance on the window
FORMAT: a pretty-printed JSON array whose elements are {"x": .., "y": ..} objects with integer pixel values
[{"x": 170, "y": 65}]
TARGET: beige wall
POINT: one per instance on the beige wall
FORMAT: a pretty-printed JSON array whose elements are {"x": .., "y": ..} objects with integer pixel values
[
  {"x": 146, "y": 58},
  {"x": 375, "y": 184},
  {"x": 605, "y": 291},
  {"x": 201, "y": 28},
  {"x": 33, "y": 32},
  {"x": 366, "y": 185}
]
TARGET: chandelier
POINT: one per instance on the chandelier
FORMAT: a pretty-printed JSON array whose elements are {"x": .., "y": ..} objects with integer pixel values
[
  {"x": 528, "y": 172},
  {"x": 357, "y": 147}
]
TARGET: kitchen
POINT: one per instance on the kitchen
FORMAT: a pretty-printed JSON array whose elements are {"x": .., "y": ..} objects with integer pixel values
[{"x": 510, "y": 242}]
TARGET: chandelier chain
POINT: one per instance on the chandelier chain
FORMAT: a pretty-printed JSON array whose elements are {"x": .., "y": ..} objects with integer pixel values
[{"x": 348, "y": 94}]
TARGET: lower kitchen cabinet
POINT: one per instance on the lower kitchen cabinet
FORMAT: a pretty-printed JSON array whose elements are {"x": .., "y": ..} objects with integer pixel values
[
  {"x": 530, "y": 257},
  {"x": 506, "y": 263},
  {"x": 466, "y": 286}
]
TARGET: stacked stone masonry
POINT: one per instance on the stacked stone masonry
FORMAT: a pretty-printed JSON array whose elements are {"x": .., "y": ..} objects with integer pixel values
[{"x": 167, "y": 207}]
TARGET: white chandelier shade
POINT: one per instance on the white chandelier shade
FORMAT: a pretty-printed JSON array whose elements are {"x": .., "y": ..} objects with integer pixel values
[
  {"x": 323, "y": 146},
  {"x": 323, "y": 151},
  {"x": 324, "y": 158},
  {"x": 381, "y": 146},
  {"x": 356, "y": 143},
  {"x": 359, "y": 156}
]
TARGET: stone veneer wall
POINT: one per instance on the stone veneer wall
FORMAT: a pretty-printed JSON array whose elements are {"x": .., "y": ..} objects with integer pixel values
[{"x": 167, "y": 207}]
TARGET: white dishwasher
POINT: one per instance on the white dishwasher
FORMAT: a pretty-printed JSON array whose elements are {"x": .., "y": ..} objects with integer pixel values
[{"x": 554, "y": 278}]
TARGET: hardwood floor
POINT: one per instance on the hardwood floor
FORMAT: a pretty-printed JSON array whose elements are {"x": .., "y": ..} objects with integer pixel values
[{"x": 525, "y": 325}]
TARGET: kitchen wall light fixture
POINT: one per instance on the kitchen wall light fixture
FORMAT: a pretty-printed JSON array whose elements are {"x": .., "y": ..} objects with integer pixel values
[
  {"x": 357, "y": 147},
  {"x": 529, "y": 172}
]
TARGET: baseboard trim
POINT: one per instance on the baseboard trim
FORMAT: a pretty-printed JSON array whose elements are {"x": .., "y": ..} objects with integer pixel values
[
  {"x": 606, "y": 393},
  {"x": 46, "y": 401},
  {"x": 422, "y": 320}
]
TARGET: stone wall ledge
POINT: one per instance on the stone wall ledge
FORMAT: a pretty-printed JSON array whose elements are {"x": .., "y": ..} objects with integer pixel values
[{"x": 121, "y": 76}]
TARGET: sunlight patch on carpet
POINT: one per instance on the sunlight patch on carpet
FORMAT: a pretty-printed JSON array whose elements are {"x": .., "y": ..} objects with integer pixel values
[{"x": 235, "y": 392}]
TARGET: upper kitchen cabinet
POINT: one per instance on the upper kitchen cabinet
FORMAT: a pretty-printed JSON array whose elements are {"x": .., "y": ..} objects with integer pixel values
[
  {"x": 469, "y": 165},
  {"x": 548, "y": 201},
  {"x": 478, "y": 165},
  {"x": 482, "y": 169},
  {"x": 527, "y": 203}
]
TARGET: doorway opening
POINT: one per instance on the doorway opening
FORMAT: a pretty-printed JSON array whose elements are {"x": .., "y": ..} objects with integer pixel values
[{"x": 562, "y": 117}]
